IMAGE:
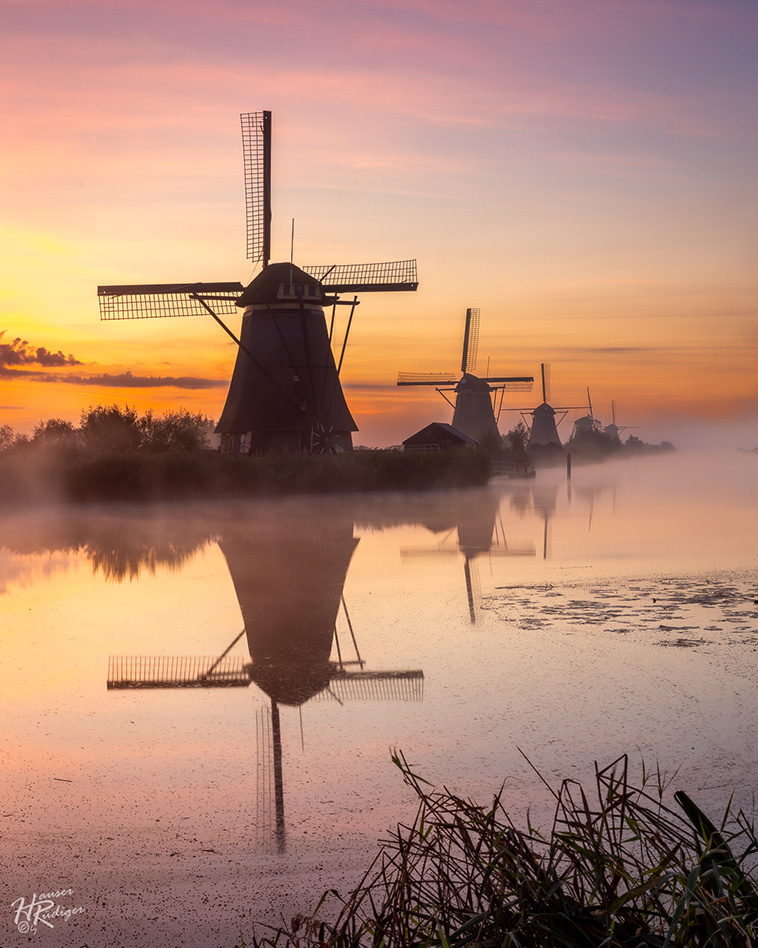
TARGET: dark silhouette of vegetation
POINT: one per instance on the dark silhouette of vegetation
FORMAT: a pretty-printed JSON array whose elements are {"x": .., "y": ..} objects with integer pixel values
[
  {"x": 116, "y": 454},
  {"x": 618, "y": 868},
  {"x": 584, "y": 445}
]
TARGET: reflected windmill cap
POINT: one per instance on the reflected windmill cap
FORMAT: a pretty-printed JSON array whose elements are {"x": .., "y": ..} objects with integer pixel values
[{"x": 282, "y": 281}]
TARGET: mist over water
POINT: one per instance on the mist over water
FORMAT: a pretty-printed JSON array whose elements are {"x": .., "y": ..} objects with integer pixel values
[{"x": 575, "y": 621}]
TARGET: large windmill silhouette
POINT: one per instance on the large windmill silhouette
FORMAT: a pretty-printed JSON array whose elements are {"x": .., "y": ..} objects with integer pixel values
[
  {"x": 285, "y": 391},
  {"x": 474, "y": 408}
]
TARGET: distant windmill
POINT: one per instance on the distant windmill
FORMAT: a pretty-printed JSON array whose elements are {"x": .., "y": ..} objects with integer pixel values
[
  {"x": 543, "y": 429},
  {"x": 285, "y": 392},
  {"x": 474, "y": 412},
  {"x": 587, "y": 423},
  {"x": 613, "y": 430}
]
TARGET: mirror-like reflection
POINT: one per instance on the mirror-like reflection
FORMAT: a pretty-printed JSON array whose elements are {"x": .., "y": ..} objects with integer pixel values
[
  {"x": 261, "y": 659},
  {"x": 291, "y": 631}
]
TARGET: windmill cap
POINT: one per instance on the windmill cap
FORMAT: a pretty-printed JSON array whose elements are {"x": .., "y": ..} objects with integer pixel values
[{"x": 282, "y": 281}]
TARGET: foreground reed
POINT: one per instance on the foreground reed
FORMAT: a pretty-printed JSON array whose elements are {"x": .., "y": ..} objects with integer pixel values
[{"x": 617, "y": 868}]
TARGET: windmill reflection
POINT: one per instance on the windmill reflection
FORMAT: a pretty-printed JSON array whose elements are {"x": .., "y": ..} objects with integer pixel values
[
  {"x": 471, "y": 526},
  {"x": 288, "y": 573}
]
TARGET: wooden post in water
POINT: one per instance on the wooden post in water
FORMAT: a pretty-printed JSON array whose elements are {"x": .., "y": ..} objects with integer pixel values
[{"x": 568, "y": 465}]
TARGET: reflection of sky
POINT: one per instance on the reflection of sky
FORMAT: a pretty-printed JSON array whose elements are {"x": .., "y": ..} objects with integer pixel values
[
  {"x": 170, "y": 776},
  {"x": 26, "y": 570}
]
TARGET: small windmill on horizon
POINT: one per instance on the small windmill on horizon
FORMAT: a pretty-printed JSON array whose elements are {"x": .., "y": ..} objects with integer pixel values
[
  {"x": 543, "y": 429},
  {"x": 475, "y": 397},
  {"x": 587, "y": 424},
  {"x": 613, "y": 430},
  {"x": 285, "y": 392}
]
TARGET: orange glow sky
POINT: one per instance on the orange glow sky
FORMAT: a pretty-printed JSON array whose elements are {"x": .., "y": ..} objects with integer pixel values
[{"x": 581, "y": 170}]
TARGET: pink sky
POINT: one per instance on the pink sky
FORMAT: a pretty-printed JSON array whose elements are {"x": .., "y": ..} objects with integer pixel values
[{"x": 584, "y": 172}]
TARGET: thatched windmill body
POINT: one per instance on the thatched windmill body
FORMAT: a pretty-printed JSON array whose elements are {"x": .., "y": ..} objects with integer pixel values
[
  {"x": 475, "y": 397},
  {"x": 285, "y": 392}
]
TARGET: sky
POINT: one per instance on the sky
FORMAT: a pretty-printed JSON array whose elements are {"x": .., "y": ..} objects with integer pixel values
[{"x": 583, "y": 171}]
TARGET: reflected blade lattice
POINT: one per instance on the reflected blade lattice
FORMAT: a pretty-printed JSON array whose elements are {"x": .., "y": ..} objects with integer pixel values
[
  {"x": 256, "y": 156},
  {"x": 375, "y": 686},
  {"x": 168, "y": 671},
  {"x": 151, "y": 301},
  {"x": 366, "y": 277}
]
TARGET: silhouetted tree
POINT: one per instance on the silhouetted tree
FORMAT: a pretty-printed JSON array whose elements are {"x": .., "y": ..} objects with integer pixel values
[
  {"x": 54, "y": 430},
  {"x": 110, "y": 429},
  {"x": 174, "y": 431},
  {"x": 517, "y": 438},
  {"x": 7, "y": 437}
]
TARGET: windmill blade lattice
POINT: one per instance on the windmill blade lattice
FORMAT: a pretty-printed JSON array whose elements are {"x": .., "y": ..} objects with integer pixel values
[
  {"x": 523, "y": 383},
  {"x": 427, "y": 378},
  {"x": 470, "y": 340},
  {"x": 399, "y": 275},
  {"x": 156, "y": 300},
  {"x": 256, "y": 156}
]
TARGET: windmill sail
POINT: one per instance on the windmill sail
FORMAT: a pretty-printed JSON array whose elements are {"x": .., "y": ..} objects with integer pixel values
[
  {"x": 470, "y": 340},
  {"x": 153, "y": 300},
  {"x": 285, "y": 393},
  {"x": 256, "y": 157},
  {"x": 393, "y": 275}
]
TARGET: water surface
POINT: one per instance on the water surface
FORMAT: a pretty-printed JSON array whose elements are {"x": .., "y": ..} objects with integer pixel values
[{"x": 200, "y": 702}]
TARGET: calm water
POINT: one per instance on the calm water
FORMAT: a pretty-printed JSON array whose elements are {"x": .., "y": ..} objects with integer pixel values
[{"x": 574, "y": 622}]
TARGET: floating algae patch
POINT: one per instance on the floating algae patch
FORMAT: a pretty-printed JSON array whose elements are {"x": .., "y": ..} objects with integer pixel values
[{"x": 680, "y": 612}]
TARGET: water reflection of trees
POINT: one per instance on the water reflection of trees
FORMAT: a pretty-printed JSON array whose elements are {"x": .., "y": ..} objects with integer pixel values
[{"x": 119, "y": 544}]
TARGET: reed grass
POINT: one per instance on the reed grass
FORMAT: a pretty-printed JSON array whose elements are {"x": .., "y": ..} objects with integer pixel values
[{"x": 618, "y": 867}]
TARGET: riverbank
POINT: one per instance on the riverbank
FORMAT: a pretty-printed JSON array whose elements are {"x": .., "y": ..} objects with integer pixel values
[{"x": 65, "y": 475}]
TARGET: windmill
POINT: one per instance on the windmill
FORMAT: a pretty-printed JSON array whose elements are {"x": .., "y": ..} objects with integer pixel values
[
  {"x": 613, "y": 430},
  {"x": 285, "y": 392},
  {"x": 587, "y": 424},
  {"x": 473, "y": 409},
  {"x": 543, "y": 429}
]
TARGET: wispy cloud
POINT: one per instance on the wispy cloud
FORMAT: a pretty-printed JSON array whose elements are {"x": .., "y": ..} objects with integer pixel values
[
  {"x": 127, "y": 380},
  {"x": 106, "y": 380}
]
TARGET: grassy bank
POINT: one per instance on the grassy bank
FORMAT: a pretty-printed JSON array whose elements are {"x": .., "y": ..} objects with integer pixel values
[
  {"x": 618, "y": 868},
  {"x": 81, "y": 476},
  {"x": 115, "y": 454}
]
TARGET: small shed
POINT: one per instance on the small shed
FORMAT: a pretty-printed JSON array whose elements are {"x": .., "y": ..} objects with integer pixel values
[{"x": 437, "y": 436}]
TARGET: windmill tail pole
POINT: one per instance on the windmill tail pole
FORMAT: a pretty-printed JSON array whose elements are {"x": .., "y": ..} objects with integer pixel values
[
  {"x": 223, "y": 325},
  {"x": 347, "y": 333}
]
